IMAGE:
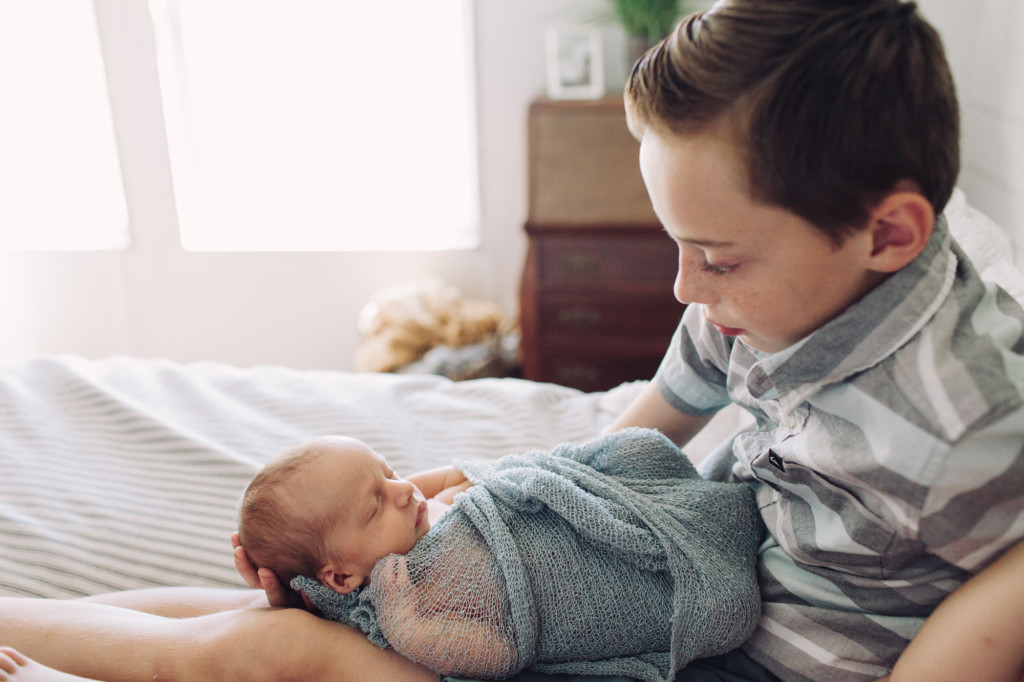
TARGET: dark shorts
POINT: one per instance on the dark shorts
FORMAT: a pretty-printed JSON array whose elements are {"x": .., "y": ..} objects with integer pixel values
[{"x": 734, "y": 666}]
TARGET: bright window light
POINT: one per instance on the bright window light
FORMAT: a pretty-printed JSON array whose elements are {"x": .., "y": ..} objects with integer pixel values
[
  {"x": 60, "y": 181},
  {"x": 318, "y": 125}
]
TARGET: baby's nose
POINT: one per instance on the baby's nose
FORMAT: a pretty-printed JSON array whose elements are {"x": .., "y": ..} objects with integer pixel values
[{"x": 403, "y": 492}]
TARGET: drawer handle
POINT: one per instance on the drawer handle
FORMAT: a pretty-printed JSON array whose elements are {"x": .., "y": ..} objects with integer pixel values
[
  {"x": 579, "y": 317},
  {"x": 580, "y": 263}
]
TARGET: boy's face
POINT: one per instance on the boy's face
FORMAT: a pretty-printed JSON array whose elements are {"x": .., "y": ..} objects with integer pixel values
[
  {"x": 762, "y": 273},
  {"x": 372, "y": 512}
]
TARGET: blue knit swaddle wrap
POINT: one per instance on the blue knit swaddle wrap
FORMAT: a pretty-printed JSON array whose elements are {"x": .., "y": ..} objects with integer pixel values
[{"x": 611, "y": 557}]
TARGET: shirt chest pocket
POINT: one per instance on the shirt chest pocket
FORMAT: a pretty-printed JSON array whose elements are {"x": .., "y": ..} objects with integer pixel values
[{"x": 820, "y": 518}]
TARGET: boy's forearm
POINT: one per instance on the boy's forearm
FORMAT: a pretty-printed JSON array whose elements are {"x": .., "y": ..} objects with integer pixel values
[
  {"x": 108, "y": 643},
  {"x": 92, "y": 640},
  {"x": 182, "y": 602},
  {"x": 651, "y": 410},
  {"x": 977, "y": 633}
]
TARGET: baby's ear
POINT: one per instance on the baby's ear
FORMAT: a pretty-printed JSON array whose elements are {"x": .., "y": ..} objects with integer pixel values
[
  {"x": 337, "y": 580},
  {"x": 901, "y": 225}
]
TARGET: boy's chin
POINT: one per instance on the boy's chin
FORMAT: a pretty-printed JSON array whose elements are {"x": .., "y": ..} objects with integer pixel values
[{"x": 764, "y": 345}]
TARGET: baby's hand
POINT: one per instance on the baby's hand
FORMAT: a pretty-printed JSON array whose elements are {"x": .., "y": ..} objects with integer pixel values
[
  {"x": 433, "y": 482},
  {"x": 435, "y": 510},
  {"x": 447, "y": 496},
  {"x": 395, "y": 586}
]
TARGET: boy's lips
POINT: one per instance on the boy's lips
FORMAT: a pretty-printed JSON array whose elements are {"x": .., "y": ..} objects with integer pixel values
[{"x": 727, "y": 331}]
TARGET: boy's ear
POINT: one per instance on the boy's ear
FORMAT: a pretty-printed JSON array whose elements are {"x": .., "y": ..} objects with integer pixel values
[
  {"x": 338, "y": 580},
  {"x": 900, "y": 225}
]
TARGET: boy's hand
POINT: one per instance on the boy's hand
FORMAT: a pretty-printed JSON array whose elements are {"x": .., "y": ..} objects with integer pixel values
[{"x": 266, "y": 580}]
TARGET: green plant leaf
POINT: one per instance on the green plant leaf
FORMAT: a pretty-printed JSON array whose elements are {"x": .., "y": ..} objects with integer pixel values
[{"x": 652, "y": 19}]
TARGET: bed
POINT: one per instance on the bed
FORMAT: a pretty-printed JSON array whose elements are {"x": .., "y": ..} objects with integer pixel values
[{"x": 122, "y": 472}]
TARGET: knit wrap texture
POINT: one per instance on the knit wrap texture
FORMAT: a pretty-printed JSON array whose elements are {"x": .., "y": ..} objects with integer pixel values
[{"x": 611, "y": 557}]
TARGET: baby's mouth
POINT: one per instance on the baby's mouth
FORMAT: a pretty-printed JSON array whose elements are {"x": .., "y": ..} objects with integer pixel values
[{"x": 421, "y": 512}]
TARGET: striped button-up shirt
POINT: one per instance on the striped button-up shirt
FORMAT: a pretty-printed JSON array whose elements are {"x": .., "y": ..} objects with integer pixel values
[{"x": 887, "y": 458}]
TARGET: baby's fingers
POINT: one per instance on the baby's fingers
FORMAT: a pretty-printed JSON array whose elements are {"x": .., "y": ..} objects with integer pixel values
[
  {"x": 394, "y": 573},
  {"x": 448, "y": 494},
  {"x": 246, "y": 569}
]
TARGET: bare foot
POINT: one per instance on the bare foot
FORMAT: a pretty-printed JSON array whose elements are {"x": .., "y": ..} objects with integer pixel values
[{"x": 14, "y": 667}]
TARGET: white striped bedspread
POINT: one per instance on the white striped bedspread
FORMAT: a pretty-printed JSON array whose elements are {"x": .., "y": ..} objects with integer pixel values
[{"x": 124, "y": 473}]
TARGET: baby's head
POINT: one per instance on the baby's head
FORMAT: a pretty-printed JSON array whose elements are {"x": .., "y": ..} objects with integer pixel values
[
  {"x": 330, "y": 509},
  {"x": 829, "y": 104}
]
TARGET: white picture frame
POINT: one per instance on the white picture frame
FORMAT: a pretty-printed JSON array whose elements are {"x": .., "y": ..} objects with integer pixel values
[{"x": 575, "y": 62}]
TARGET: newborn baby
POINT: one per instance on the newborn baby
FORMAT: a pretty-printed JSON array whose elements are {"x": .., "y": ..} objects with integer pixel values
[{"x": 609, "y": 557}]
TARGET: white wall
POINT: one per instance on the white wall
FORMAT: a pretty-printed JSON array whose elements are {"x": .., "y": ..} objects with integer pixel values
[
  {"x": 984, "y": 41},
  {"x": 297, "y": 309}
]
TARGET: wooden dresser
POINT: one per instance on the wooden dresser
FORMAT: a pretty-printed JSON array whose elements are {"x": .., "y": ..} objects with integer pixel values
[{"x": 596, "y": 303}]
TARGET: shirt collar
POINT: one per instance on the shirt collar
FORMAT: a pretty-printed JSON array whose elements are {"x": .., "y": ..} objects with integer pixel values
[{"x": 865, "y": 333}]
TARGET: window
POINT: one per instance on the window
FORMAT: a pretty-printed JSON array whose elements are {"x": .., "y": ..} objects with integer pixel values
[
  {"x": 60, "y": 181},
  {"x": 318, "y": 125}
]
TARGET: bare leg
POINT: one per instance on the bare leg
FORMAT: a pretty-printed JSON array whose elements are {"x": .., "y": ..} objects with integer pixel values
[
  {"x": 14, "y": 667},
  {"x": 110, "y": 643}
]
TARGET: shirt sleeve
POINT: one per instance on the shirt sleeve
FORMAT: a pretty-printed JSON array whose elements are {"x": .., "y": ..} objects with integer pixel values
[
  {"x": 692, "y": 376},
  {"x": 975, "y": 506}
]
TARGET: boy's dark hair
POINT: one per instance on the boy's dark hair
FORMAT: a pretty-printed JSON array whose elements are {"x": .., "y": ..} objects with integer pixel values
[
  {"x": 836, "y": 100},
  {"x": 272, "y": 534}
]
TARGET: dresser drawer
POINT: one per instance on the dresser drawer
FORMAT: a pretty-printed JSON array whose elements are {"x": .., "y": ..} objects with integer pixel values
[
  {"x": 594, "y": 370},
  {"x": 610, "y": 261},
  {"x": 608, "y": 314}
]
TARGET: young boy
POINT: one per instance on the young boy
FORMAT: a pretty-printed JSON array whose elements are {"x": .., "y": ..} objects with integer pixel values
[
  {"x": 620, "y": 534},
  {"x": 799, "y": 152}
]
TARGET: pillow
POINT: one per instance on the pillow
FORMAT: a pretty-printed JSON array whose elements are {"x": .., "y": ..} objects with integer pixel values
[{"x": 986, "y": 244}]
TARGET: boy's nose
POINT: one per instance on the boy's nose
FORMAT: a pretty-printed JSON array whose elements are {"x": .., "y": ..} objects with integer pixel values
[{"x": 691, "y": 285}]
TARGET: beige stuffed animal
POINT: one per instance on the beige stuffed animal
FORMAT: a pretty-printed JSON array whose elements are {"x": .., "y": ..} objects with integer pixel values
[{"x": 401, "y": 323}]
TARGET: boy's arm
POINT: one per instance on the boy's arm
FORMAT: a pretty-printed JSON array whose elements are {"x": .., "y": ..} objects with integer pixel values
[
  {"x": 651, "y": 410},
  {"x": 977, "y": 633},
  {"x": 104, "y": 642}
]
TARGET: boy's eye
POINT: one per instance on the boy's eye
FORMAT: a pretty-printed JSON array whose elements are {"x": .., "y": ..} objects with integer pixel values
[{"x": 717, "y": 269}]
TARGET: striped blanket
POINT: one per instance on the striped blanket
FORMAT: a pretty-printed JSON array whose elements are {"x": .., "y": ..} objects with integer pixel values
[{"x": 124, "y": 473}]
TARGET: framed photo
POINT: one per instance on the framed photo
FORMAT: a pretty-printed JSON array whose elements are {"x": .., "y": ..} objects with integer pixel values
[{"x": 575, "y": 63}]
